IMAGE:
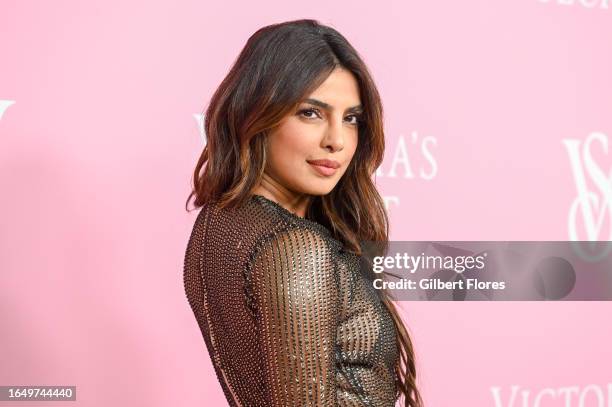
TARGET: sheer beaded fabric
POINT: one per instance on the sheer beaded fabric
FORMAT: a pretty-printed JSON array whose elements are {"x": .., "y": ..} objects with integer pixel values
[{"x": 288, "y": 317}]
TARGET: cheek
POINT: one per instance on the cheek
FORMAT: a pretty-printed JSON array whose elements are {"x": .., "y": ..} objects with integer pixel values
[
  {"x": 293, "y": 140},
  {"x": 290, "y": 146},
  {"x": 355, "y": 141},
  {"x": 351, "y": 146}
]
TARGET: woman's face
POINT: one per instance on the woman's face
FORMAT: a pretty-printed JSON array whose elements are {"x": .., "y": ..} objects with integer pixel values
[{"x": 323, "y": 127}]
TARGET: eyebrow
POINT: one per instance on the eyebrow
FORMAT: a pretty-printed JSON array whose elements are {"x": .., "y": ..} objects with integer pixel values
[{"x": 316, "y": 102}]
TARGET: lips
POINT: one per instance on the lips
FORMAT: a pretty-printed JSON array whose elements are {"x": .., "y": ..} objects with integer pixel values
[
  {"x": 325, "y": 163},
  {"x": 324, "y": 167}
]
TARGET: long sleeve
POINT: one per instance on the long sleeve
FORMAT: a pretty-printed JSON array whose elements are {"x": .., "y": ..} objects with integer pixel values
[{"x": 296, "y": 294}]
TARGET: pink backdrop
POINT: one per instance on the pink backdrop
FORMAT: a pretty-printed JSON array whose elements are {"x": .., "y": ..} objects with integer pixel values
[{"x": 100, "y": 127}]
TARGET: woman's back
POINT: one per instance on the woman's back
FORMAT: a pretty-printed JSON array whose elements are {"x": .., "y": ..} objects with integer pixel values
[{"x": 288, "y": 317}]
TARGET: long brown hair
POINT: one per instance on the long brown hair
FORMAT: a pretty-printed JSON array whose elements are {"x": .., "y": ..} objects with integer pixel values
[{"x": 278, "y": 66}]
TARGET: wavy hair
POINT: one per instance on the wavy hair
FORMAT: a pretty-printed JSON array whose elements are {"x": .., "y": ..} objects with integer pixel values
[{"x": 279, "y": 65}]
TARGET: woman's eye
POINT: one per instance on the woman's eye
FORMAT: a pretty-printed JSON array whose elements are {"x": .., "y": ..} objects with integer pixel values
[
  {"x": 309, "y": 113},
  {"x": 314, "y": 113},
  {"x": 356, "y": 118}
]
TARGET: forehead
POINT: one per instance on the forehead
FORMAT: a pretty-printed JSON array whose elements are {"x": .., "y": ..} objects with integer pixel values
[{"x": 339, "y": 89}]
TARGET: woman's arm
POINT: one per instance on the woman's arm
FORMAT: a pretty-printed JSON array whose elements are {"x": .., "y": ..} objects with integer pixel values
[{"x": 297, "y": 300}]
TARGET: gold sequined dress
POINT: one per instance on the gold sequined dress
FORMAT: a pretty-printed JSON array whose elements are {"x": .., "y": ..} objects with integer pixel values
[{"x": 288, "y": 317}]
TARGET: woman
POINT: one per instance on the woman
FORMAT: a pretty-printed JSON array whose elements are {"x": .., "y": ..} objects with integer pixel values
[{"x": 272, "y": 268}]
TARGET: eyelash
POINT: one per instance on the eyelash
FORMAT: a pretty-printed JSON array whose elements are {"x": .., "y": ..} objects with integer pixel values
[{"x": 317, "y": 112}]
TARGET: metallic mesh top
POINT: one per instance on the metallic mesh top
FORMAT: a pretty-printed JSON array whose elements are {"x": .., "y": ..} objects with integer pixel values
[{"x": 288, "y": 317}]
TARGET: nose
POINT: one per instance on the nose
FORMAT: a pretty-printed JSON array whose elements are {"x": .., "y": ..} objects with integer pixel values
[{"x": 334, "y": 136}]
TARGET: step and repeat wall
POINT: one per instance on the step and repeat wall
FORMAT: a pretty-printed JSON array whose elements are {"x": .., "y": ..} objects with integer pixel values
[{"x": 498, "y": 120}]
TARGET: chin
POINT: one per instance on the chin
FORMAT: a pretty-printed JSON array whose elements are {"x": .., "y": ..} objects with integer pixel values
[{"x": 320, "y": 189}]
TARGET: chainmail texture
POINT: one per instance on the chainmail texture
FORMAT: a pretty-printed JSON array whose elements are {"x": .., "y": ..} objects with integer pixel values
[{"x": 287, "y": 315}]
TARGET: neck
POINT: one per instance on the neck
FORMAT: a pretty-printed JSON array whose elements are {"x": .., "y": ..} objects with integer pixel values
[{"x": 293, "y": 202}]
